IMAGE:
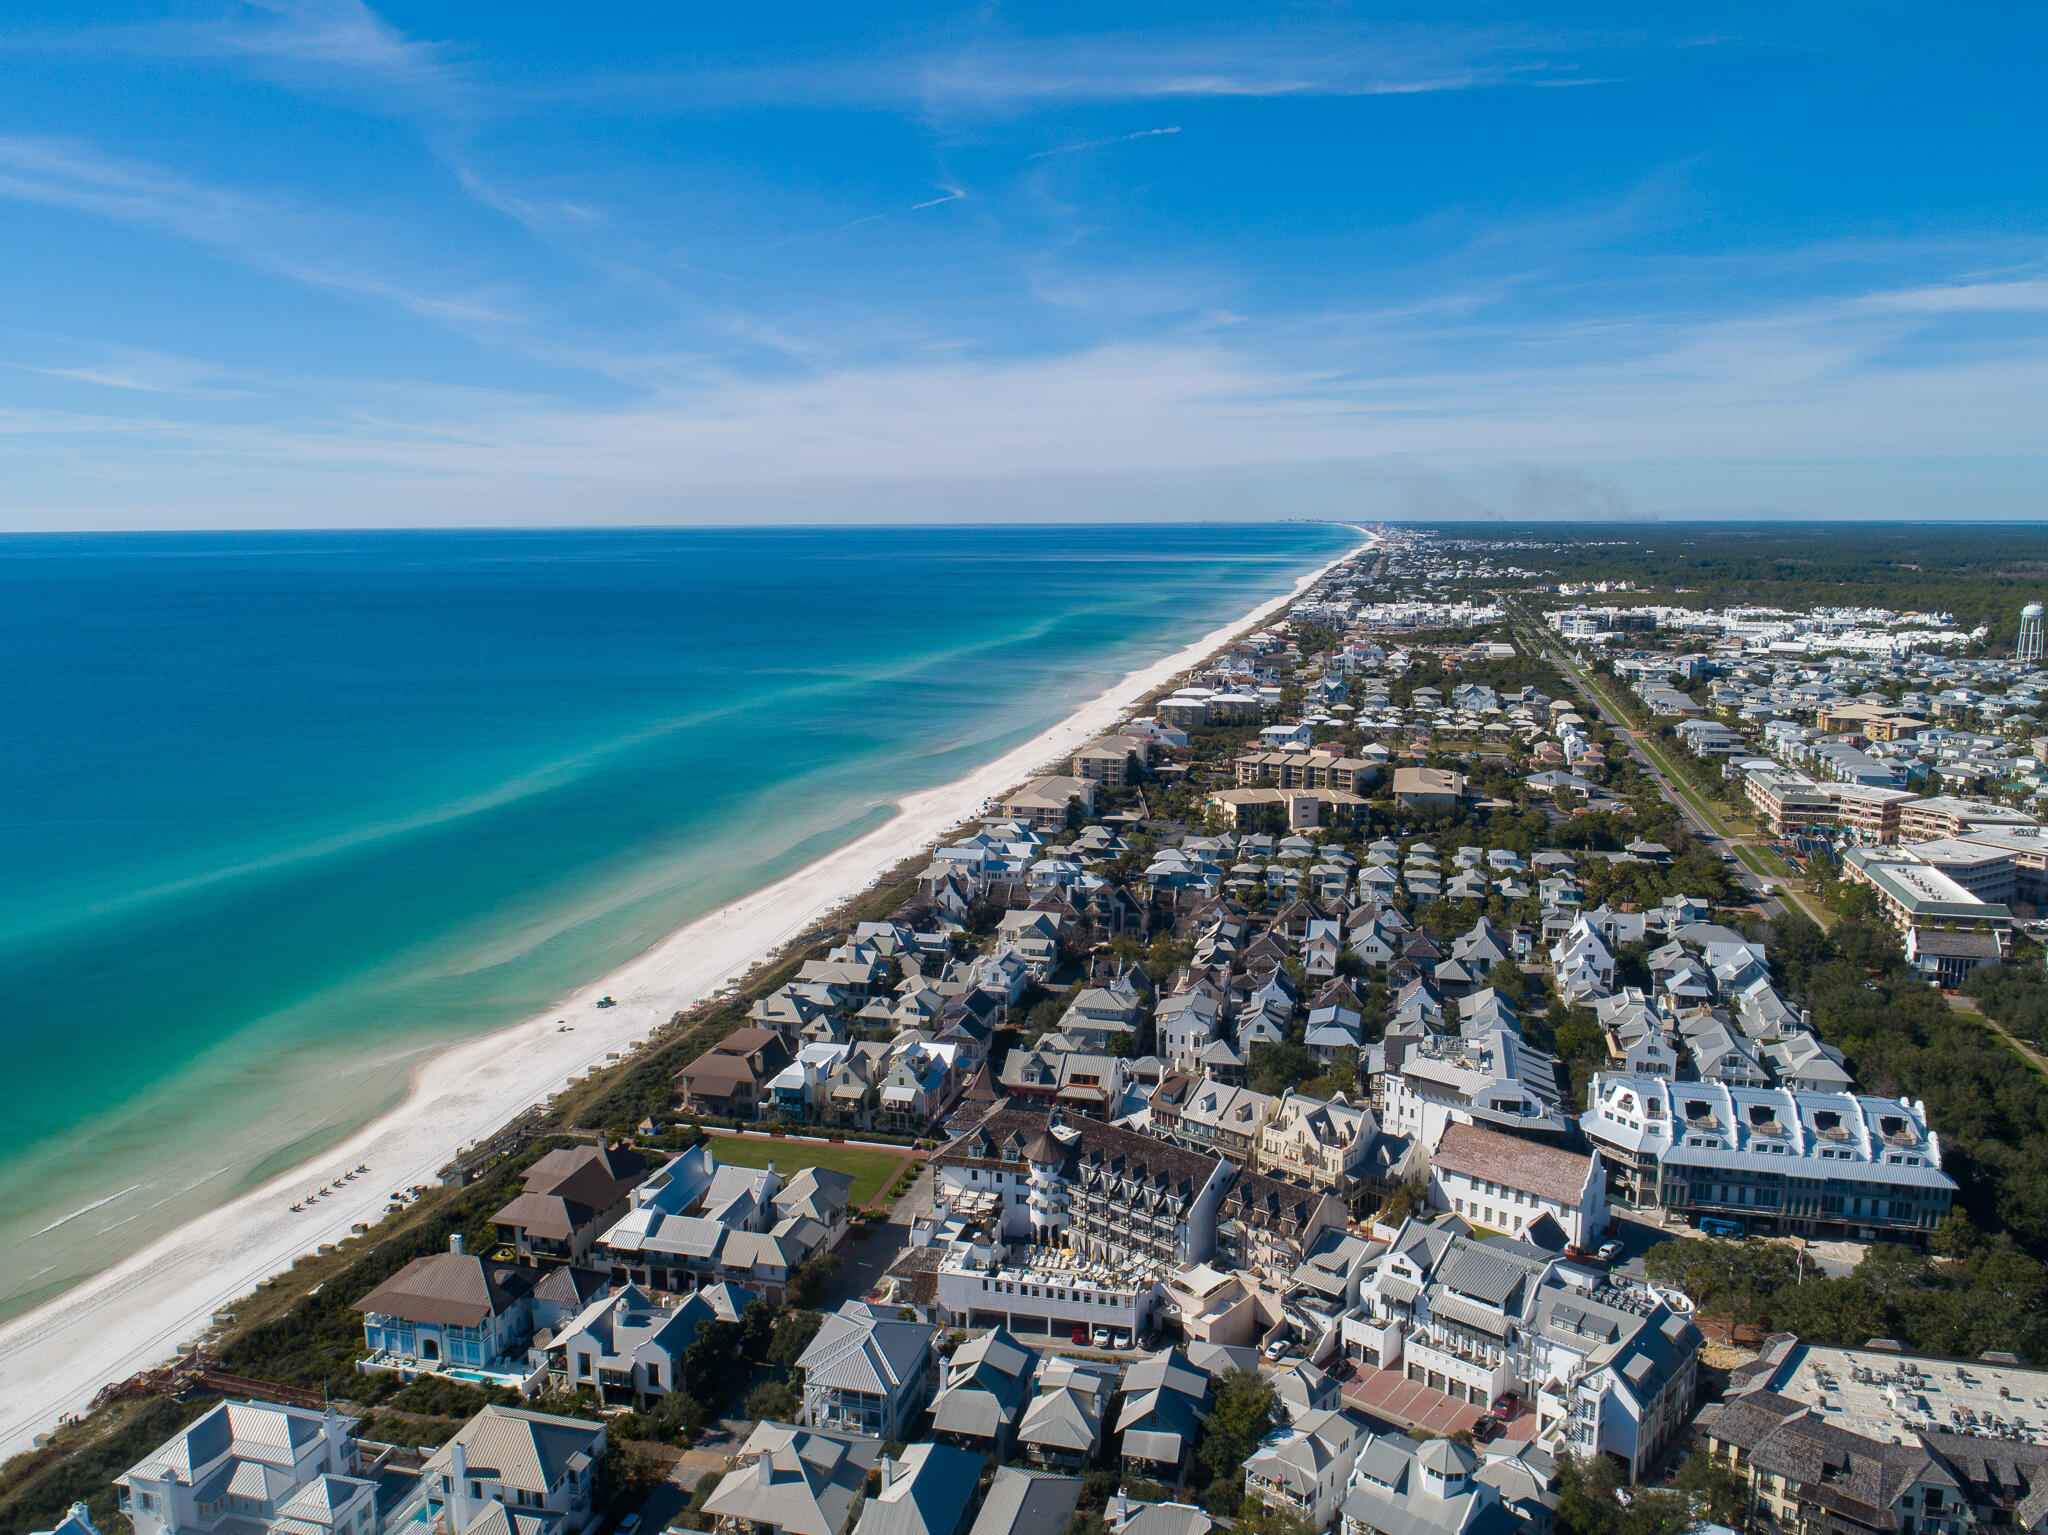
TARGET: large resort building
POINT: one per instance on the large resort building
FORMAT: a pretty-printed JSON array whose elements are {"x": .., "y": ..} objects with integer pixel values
[{"x": 1046, "y": 1225}]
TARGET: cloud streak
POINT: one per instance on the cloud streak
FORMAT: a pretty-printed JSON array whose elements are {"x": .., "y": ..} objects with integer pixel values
[
  {"x": 1760, "y": 399},
  {"x": 269, "y": 236},
  {"x": 1121, "y": 138}
]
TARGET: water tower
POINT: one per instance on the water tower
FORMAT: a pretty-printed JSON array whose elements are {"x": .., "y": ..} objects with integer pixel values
[{"x": 2031, "y": 625}]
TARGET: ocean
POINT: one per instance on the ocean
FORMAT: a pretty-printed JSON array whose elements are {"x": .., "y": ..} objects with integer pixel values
[{"x": 282, "y": 813}]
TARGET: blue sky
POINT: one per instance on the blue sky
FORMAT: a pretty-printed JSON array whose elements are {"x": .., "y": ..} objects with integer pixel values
[{"x": 319, "y": 264}]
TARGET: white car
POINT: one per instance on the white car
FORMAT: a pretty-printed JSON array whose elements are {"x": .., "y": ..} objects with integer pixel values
[
  {"x": 1610, "y": 1251},
  {"x": 1101, "y": 1337},
  {"x": 1123, "y": 1340},
  {"x": 1277, "y": 1349}
]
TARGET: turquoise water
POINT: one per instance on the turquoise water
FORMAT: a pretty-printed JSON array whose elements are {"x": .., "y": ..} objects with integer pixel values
[{"x": 282, "y": 813}]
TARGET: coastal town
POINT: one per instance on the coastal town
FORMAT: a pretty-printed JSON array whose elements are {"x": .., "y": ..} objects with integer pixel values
[{"x": 1492, "y": 1050}]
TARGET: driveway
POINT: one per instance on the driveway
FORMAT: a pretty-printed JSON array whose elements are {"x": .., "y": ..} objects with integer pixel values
[{"x": 863, "y": 1260}]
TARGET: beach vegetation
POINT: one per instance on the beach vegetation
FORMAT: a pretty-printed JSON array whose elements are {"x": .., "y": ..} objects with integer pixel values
[{"x": 81, "y": 1462}]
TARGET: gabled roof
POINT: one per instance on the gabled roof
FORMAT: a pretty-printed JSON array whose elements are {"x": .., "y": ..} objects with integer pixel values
[
  {"x": 526, "y": 1450},
  {"x": 860, "y": 1349},
  {"x": 801, "y": 1480},
  {"x": 1024, "y": 1502},
  {"x": 927, "y": 1492}
]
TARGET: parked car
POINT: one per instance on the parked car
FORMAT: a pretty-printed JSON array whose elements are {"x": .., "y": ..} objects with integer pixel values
[
  {"x": 1611, "y": 1252},
  {"x": 1079, "y": 1334},
  {"x": 1486, "y": 1430},
  {"x": 1102, "y": 1337},
  {"x": 629, "y": 1524},
  {"x": 1123, "y": 1340},
  {"x": 1505, "y": 1404},
  {"x": 1277, "y": 1349}
]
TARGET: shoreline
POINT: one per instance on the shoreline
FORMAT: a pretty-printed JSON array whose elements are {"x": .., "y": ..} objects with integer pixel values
[{"x": 56, "y": 1357}]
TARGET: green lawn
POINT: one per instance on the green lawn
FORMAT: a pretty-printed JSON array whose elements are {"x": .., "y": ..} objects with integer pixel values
[{"x": 871, "y": 1169}]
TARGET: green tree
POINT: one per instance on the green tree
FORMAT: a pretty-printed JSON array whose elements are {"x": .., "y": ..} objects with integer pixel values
[
  {"x": 1719, "y": 1494},
  {"x": 1241, "y": 1415},
  {"x": 775, "y": 1400},
  {"x": 793, "y": 1333},
  {"x": 708, "y": 1361},
  {"x": 812, "y": 1278}
]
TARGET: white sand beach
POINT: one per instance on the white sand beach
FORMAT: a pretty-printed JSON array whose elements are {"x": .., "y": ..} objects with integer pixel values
[{"x": 55, "y": 1359}]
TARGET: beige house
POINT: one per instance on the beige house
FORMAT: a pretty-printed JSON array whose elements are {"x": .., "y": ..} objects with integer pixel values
[
  {"x": 1326, "y": 1145},
  {"x": 1427, "y": 786},
  {"x": 1108, "y": 760},
  {"x": 1042, "y": 803}
]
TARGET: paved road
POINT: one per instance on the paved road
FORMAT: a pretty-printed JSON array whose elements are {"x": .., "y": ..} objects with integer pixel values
[{"x": 1753, "y": 871}]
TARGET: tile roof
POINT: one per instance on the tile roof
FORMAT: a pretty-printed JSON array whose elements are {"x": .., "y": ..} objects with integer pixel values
[{"x": 451, "y": 1290}]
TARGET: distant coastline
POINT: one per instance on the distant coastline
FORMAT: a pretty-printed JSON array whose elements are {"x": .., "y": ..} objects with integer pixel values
[{"x": 55, "y": 1357}]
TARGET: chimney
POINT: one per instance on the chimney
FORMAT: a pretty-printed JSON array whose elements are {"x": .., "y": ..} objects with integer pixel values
[
  {"x": 455, "y": 1241},
  {"x": 458, "y": 1485}
]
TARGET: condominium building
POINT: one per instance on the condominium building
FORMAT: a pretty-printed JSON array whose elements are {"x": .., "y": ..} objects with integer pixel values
[
  {"x": 1771, "y": 1159},
  {"x": 1301, "y": 768},
  {"x": 1050, "y": 1223}
]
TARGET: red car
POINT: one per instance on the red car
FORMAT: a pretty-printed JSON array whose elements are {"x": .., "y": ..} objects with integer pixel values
[
  {"x": 1078, "y": 1335},
  {"x": 1504, "y": 1408}
]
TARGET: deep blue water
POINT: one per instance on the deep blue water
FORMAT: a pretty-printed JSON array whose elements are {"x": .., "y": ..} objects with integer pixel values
[{"x": 279, "y": 813}]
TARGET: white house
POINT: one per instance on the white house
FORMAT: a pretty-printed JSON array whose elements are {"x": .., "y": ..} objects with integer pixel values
[
  {"x": 1505, "y": 1184},
  {"x": 252, "y": 1467}
]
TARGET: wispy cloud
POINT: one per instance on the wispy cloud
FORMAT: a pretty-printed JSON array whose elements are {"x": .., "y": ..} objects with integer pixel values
[
  {"x": 990, "y": 68},
  {"x": 276, "y": 238},
  {"x": 140, "y": 372},
  {"x": 947, "y": 195},
  {"x": 327, "y": 35},
  {"x": 1121, "y": 138},
  {"x": 1691, "y": 407}
]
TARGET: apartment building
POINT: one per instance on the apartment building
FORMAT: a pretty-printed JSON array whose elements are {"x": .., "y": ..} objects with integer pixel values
[
  {"x": 1107, "y": 761},
  {"x": 1303, "y": 768}
]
